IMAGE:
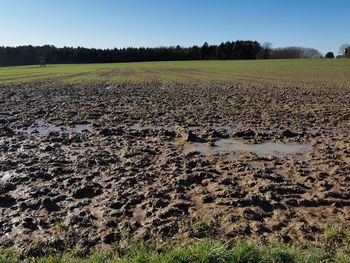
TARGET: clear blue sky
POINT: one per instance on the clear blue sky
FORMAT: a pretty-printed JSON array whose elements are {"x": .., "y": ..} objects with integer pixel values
[{"x": 322, "y": 24}]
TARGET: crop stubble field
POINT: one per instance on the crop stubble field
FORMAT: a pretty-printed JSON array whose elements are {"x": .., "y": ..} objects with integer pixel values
[{"x": 111, "y": 153}]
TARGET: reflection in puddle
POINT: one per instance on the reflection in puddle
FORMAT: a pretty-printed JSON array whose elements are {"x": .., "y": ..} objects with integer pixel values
[
  {"x": 80, "y": 128},
  {"x": 261, "y": 150},
  {"x": 135, "y": 126},
  {"x": 322, "y": 130},
  {"x": 202, "y": 148},
  {"x": 44, "y": 128}
]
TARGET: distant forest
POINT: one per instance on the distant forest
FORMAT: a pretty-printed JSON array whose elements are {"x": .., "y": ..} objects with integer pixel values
[{"x": 30, "y": 55}]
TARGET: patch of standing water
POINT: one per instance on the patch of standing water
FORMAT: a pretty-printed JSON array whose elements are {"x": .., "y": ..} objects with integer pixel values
[
  {"x": 261, "y": 150},
  {"x": 322, "y": 130},
  {"x": 135, "y": 126},
  {"x": 80, "y": 128},
  {"x": 43, "y": 128}
]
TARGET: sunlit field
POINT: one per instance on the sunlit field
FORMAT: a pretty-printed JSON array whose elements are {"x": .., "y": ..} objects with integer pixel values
[
  {"x": 178, "y": 161},
  {"x": 316, "y": 70}
]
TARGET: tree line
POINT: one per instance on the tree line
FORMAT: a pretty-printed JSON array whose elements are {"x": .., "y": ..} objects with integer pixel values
[{"x": 241, "y": 49}]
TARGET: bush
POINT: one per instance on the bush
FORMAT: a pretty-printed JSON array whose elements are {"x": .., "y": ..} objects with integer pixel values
[{"x": 330, "y": 55}]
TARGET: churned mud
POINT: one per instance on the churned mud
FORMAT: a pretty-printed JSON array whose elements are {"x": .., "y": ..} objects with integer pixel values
[{"x": 83, "y": 165}]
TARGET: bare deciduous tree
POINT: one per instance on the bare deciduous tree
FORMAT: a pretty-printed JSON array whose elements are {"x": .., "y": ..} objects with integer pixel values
[{"x": 294, "y": 52}]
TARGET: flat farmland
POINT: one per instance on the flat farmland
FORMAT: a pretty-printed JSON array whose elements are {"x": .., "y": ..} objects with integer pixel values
[
  {"x": 98, "y": 154},
  {"x": 301, "y": 70}
]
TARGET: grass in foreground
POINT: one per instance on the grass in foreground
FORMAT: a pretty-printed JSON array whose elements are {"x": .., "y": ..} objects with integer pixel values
[
  {"x": 301, "y": 70},
  {"x": 207, "y": 251}
]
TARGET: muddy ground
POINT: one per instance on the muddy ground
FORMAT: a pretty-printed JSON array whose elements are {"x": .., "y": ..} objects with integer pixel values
[{"x": 85, "y": 165}]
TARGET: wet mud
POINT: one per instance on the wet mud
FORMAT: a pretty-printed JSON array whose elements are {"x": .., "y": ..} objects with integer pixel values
[{"x": 86, "y": 165}]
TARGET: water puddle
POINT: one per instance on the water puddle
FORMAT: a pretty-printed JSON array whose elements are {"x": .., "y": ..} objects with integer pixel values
[
  {"x": 80, "y": 128},
  {"x": 43, "y": 128},
  {"x": 136, "y": 126},
  {"x": 261, "y": 150}
]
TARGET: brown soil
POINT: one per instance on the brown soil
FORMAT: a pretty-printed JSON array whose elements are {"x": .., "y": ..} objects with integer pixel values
[{"x": 88, "y": 165}]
